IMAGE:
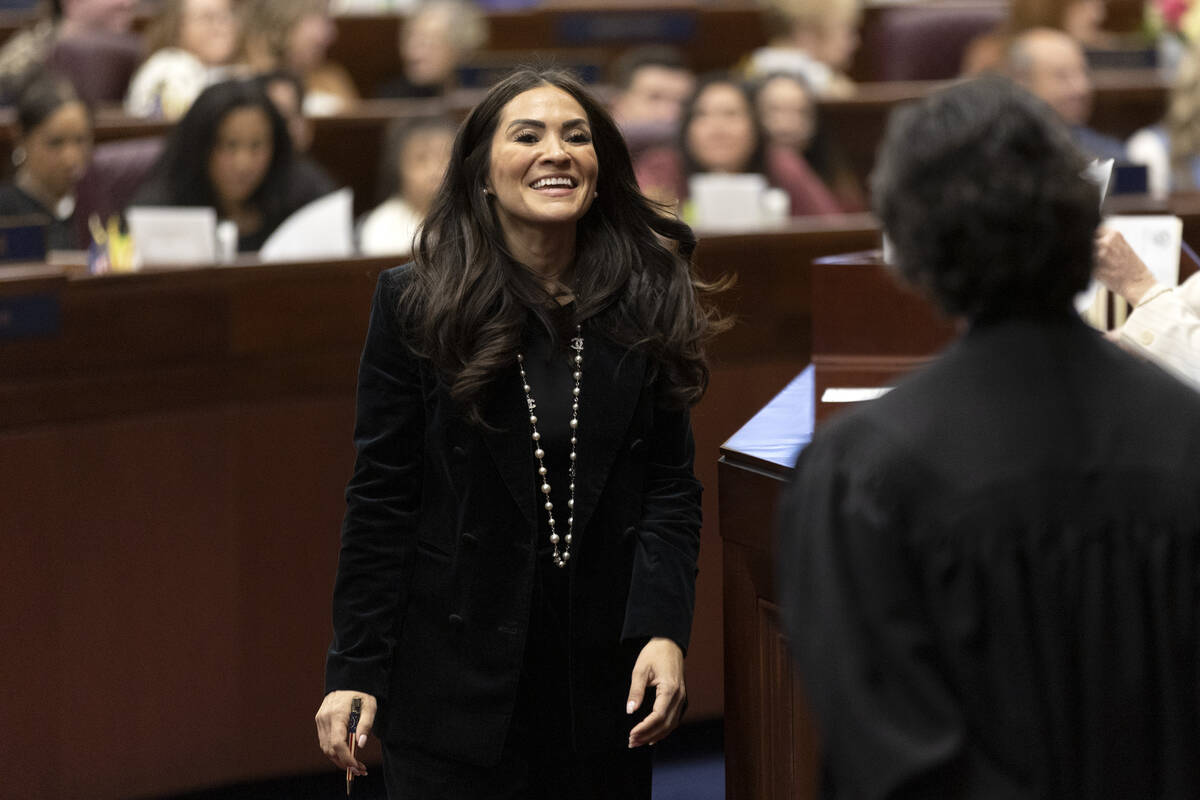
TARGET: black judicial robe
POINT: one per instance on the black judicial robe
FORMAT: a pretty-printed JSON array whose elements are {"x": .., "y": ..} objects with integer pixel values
[
  {"x": 991, "y": 576},
  {"x": 435, "y": 582}
]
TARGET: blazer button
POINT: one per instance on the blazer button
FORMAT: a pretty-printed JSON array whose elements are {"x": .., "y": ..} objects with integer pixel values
[
  {"x": 470, "y": 539},
  {"x": 459, "y": 453},
  {"x": 629, "y": 533},
  {"x": 456, "y": 621},
  {"x": 637, "y": 446}
]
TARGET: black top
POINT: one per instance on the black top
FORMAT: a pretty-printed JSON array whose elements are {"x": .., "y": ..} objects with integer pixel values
[
  {"x": 990, "y": 576},
  {"x": 60, "y": 233}
]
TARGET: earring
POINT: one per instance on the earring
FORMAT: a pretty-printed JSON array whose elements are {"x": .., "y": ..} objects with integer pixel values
[
  {"x": 595, "y": 195},
  {"x": 18, "y": 156}
]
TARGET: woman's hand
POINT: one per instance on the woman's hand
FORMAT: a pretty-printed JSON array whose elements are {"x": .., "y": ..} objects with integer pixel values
[
  {"x": 660, "y": 664},
  {"x": 1119, "y": 268},
  {"x": 332, "y": 719}
]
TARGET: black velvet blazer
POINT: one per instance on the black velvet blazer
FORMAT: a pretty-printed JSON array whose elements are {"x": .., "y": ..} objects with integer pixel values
[{"x": 435, "y": 577}]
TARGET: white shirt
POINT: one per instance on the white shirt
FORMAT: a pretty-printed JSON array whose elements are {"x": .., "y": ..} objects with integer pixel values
[
  {"x": 1166, "y": 329},
  {"x": 167, "y": 83},
  {"x": 389, "y": 229}
]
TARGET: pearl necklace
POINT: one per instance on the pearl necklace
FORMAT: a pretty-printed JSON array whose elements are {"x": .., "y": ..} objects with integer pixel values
[{"x": 560, "y": 557}]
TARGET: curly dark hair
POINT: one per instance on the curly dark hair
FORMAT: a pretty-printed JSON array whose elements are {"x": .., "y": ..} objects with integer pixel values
[
  {"x": 982, "y": 194},
  {"x": 633, "y": 279}
]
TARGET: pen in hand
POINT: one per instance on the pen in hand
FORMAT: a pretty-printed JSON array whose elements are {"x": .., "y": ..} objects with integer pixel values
[{"x": 352, "y": 725}]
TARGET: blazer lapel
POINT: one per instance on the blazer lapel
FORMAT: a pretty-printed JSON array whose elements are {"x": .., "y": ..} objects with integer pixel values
[
  {"x": 509, "y": 442},
  {"x": 609, "y": 392}
]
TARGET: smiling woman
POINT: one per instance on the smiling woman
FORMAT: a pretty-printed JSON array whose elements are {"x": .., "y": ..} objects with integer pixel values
[{"x": 516, "y": 579}]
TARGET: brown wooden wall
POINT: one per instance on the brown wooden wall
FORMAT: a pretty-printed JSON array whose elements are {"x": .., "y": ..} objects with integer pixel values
[{"x": 171, "y": 472}]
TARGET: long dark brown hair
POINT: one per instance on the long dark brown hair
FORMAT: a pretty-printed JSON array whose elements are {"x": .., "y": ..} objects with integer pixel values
[{"x": 469, "y": 299}]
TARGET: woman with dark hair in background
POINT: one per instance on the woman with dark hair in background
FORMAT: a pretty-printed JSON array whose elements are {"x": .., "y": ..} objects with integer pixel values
[
  {"x": 519, "y": 550},
  {"x": 52, "y": 151},
  {"x": 413, "y": 166},
  {"x": 231, "y": 151},
  {"x": 721, "y": 133},
  {"x": 787, "y": 108},
  {"x": 988, "y": 575}
]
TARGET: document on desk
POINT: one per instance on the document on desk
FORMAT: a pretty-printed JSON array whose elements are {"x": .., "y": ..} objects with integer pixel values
[
  {"x": 322, "y": 229},
  {"x": 174, "y": 236}
]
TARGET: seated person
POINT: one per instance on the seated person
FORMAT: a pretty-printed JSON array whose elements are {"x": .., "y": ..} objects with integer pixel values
[
  {"x": 1052, "y": 66},
  {"x": 434, "y": 41},
  {"x": 1082, "y": 20},
  {"x": 988, "y": 575},
  {"x": 309, "y": 178},
  {"x": 52, "y": 151},
  {"x": 1170, "y": 150},
  {"x": 1165, "y": 322},
  {"x": 787, "y": 109},
  {"x": 721, "y": 133},
  {"x": 30, "y": 49},
  {"x": 231, "y": 151},
  {"x": 414, "y": 164},
  {"x": 295, "y": 35},
  {"x": 192, "y": 44},
  {"x": 814, "y": 39},
  {"x": 652, "y": 84}
]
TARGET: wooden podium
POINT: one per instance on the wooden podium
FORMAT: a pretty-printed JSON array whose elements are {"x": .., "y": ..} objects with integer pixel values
[{"x": 868, "y": 331}]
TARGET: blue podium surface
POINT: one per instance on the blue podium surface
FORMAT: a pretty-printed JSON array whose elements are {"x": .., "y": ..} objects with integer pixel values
[{"x": 774, "y": 437}]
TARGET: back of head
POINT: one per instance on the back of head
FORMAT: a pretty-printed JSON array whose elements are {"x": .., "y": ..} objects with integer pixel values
[{"x": 981, "y": 192}]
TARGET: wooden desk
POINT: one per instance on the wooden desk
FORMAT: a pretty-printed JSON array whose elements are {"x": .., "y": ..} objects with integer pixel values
[
  {"x": 172, "y": 462},
  {"x": 771, "y": 748}
]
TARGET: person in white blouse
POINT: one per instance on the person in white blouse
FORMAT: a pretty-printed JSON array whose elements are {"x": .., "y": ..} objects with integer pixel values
[
  {"x": 1165, "y": 322},
  {"x": 414, "y": 165},
  {"x": 192, "y": 45}
]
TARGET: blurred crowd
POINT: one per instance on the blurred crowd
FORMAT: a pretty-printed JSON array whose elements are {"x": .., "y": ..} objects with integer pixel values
[{"x": 241, "y": 79}]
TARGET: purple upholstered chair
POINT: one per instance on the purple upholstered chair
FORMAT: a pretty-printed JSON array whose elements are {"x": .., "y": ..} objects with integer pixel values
[
  {"x": 118, "y": 168},
  {"x": 926, "y": 41},
  {"x": 100, "y": 65}
]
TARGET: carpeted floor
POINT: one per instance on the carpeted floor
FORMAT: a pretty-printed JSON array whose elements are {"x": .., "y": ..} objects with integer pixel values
[{"x": 689, "y": 765}]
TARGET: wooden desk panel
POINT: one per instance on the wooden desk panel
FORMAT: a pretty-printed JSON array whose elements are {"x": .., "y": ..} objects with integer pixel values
[{"x": 171, "y": 474}]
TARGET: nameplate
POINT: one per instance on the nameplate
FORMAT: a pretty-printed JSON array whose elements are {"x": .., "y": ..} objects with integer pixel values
[
  {"x": 29, "y": 316},
  {"x": 625, "y": 26},
  {"x": 853, "y": 394}
]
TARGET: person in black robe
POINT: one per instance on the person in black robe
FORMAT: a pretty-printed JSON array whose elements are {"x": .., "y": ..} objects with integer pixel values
[{"x": 989, "y": 575}]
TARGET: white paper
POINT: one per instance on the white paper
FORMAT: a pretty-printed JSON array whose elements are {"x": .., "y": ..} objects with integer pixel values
[
  {"x": 322, "y": 229},
  {"x": 171, "y": 236},
  {"x": 853, "y": 394},
  {"x": 1157, "y": 240},
  {"x": 1100, "y": 173},
  {"x": 727, "y": 202}
]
